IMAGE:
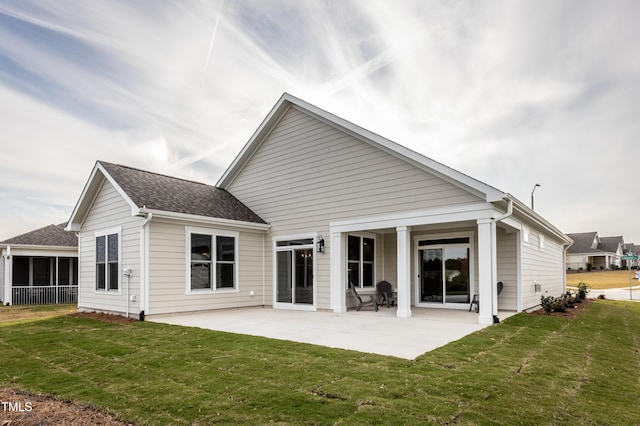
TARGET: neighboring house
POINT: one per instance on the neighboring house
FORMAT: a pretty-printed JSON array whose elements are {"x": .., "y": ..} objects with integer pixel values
[
  {"x": 39, "y": 267},
  {"x": 311, "y": 204},
  {"x": 590, "y": 251},
  {"x": 630, "y": 248}
]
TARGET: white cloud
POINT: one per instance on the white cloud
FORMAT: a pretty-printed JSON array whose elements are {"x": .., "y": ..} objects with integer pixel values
[{"x": 512, "y": 93}]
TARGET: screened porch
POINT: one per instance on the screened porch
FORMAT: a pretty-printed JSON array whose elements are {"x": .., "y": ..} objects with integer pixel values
[{"x": 40, "y": 280}]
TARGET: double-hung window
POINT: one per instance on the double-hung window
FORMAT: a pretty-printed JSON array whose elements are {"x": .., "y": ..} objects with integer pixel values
[
  {"x": 360, "y": 260},
  {"x": 108, "y": 261},
  {"x": 212, "y": 259}
]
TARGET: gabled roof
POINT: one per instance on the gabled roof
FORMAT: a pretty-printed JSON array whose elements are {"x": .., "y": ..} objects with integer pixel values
[
  {"x": 148, "y": 192},
  {"x": 480, "y": 189},
  {"x": 610, "y": 244},
  {"x": 49, "y": 236},
  {"x": 582, "y": 242}
]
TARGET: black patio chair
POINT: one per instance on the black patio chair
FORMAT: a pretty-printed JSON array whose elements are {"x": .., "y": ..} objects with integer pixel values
[
  {"x": 388, "y": 297},
  {"x": 361, "y": 303},
  {"x": 476, "y": 297}
]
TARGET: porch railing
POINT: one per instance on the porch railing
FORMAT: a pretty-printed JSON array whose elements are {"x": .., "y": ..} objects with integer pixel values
[{"x": 45, "y": 295}]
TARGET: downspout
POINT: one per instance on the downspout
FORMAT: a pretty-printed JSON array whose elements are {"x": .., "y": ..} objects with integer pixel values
[
  {"x": 264, "y": 284},
  {"x": 494, "y": 262},
  {"x": 144, "y": 277}
]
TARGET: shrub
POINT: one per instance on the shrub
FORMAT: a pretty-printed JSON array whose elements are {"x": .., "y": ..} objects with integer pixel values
[
  {"x": 583, "y": 289},
  {"x": 547, "y": 303}
]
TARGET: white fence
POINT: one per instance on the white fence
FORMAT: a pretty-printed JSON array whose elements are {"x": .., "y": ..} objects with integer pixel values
[{"x": 44, "y": 295}]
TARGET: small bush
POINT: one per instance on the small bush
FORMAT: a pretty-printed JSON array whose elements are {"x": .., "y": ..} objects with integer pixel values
[
  {"x": 547, "y": 303},
  {"x": 583, "y": 289}
]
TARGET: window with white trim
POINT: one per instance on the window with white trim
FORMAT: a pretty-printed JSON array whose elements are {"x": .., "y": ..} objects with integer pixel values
[
  {"x": 212, "y": 260},
  {"x": 108, "y": 261},
  {"x": 361, "y": 260}
]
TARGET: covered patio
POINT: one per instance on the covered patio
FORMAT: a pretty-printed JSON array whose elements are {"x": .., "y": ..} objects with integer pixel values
[
  {"x": 367, "y": 331},
  {"x": 437, "y": 259}
]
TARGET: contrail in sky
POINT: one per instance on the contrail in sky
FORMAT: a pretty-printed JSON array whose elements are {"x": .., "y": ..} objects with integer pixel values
[{"x": 213, "y": 36}]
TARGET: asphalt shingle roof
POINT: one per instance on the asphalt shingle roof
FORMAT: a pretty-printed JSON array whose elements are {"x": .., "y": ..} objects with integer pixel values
[
  {"x": 52, "y": 235},
  {"x": 165, "y": 193},
  {"x": 582, "y": 242},
  {"x": 610, "y": 244}
]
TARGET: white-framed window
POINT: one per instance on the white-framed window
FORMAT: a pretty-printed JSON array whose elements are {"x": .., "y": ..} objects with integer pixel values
[
  {"x": 361, "y": 256},
  {"x": 212, "y": 260},
  {"x": 525, "y": 234},
  {"x": 108, "y": 249},
  {"x": 541, "y": 241}
]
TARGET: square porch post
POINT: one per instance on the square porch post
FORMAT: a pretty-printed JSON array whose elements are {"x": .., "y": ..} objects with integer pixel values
[
  {"x": 404, "y": 271},
  {"x": 8, "y": 276},
  {"x": 486, "y": 255},
  {"x": 337, "y": 249}
]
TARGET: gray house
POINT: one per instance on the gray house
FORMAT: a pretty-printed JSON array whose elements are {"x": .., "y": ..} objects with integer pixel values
[
  {"x": 39, "y": 267},
  {"x": 311, "y": 205},
  {"x": 589, "y": 250}
]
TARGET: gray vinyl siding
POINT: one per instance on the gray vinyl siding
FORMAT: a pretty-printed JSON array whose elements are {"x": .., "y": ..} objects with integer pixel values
[
  {"x": 308, "y": 173},
  {"x": 542, "y": 265},
  {"x": 168, "y": 272},
  {"x": 507, "y": 261},
  {"x": 109, "y": 211}
]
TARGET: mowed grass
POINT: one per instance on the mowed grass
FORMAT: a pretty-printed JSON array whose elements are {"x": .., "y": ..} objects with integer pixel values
[
  {"x": 602, "y": 280},
  {"x": 529, "y": 369}
]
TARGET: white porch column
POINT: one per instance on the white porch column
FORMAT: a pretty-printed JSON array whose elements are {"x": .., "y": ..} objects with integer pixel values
[
  {"x": 8, "y": 275},
  {"x": 486, "y": 254},
  {"x": 337, "y": 263},
  {"x": 404, "y": 271}
]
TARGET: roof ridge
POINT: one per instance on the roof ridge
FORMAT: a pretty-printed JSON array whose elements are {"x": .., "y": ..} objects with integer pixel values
[
  {"x": 29, "y": 232},
  {"x": 156, "y": 173}
]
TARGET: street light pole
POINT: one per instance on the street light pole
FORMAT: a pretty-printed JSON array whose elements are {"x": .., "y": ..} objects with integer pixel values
[{"x": 532, "y": 191}]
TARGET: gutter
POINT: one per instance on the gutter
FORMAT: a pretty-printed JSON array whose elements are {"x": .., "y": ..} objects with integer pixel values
[
  {"x": 159, "y": 214},
  {"x": 509, "y": 210}
]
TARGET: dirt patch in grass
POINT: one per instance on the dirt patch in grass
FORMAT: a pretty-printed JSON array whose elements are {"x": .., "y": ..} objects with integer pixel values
[
  {"x": 30, "y": 312},
  {"x": 21, "y": 408},
  {"x": 115, "y": 319},
  {"x": 569, "y": 312}
]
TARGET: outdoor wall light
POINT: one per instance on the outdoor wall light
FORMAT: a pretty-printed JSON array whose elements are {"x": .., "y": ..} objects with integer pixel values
[{"x": 320, "y": 244}]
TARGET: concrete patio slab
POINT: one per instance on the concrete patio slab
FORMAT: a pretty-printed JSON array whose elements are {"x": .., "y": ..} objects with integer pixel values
[{"x": 365, "y": 331}]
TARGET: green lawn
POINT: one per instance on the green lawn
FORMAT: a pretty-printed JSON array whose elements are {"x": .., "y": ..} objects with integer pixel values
[{"x": 529, "y": 369}]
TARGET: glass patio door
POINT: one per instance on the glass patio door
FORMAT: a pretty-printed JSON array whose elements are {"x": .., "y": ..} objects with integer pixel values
[
  {"x": 443, "y": 274},
  {"x": 294, "y": 276}
]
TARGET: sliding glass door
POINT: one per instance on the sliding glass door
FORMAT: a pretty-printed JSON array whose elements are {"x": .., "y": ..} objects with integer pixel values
[
  {"x": 443, "y": 271},
  {"x": 294, "y": 272}
]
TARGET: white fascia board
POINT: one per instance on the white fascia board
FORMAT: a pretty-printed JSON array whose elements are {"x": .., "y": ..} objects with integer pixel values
[
  {"x": 530, "y": 215},
  {"x": 416, "y": 217},
  {"x": 35, "y": 250},
  {"x": 255, "y": 141},
  {"x": 474, "y": 186},
  {"x": 206, "y": 220},
  {"x": 89, "y": 194},
  {"x": 74, "y": 223},
  {"x": 124, "y": 195}
]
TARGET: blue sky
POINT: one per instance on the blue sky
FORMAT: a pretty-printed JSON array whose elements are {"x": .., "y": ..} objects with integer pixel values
[{"x": 513, "y": 93}]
